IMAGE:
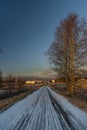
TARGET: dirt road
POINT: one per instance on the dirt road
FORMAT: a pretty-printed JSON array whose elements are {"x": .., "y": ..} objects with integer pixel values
[{"x": 43, "y": 110}]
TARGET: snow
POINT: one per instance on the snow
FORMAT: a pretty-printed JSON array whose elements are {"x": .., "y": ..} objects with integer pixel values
[
  {"x": 38, "y": 111},
  {"x": 68, "y": 107}
]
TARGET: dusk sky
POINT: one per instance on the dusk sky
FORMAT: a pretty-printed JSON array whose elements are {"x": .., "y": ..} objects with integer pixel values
[{"x": 27, "y": 29}]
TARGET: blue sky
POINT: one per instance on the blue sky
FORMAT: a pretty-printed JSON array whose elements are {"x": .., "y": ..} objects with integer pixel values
[{"x": 27, "y": 30}]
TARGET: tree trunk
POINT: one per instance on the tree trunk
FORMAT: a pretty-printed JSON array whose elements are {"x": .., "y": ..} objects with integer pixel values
[{"x": 71, "y": 64}]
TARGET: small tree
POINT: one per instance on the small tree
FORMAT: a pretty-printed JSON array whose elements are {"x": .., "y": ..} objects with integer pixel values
[
  {"x": 20, "y": 83},
  {"x": 1, "y": 72},
  {"x": 1, "y": 80},
  {"x": 10, "y": 84}
]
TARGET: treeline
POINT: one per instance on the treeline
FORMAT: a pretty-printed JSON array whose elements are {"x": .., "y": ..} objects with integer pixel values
[{"x": 11, "y": 86}]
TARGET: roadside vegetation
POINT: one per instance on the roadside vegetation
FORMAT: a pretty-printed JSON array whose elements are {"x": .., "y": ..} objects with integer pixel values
[
  {"x": 12, "y": 90},
  {"x": 79, "y": 99}
]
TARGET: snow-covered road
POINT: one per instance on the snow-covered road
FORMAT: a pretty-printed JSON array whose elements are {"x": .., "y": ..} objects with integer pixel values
[{"x": 43, "y": 110}]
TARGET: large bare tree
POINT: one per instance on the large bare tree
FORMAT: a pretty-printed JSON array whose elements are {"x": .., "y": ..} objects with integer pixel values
[{"x": 68, "y": 51}]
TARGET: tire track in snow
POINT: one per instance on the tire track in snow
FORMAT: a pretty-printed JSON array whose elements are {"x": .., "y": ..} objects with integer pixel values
[
  {"x": 13, "y": 117},
  {"x": 66, "y": 116},
  {"x": 62, "y": 115},
  {"x": 27, "y": 117},
  {"x": 42, "y": 110}
]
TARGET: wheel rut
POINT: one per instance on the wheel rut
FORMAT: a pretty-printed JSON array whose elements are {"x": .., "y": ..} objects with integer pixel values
[{"x": 62, "y": 115}]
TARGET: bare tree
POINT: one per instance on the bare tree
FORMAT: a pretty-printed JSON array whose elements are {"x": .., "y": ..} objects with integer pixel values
[
  {"x": 69, "y": 50},
  {"x": 1, "y": 79},
  {"x": 20, "y": 83},
  {"x": 1, "y": 72},
  {"x": 10, "y": 84}
]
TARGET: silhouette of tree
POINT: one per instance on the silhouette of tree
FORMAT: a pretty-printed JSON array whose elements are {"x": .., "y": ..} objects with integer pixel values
[
  {"x": 1, "y": 79},
  {"x": 1, "y": 72}
]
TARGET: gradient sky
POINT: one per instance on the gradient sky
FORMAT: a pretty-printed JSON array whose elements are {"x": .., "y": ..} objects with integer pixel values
[{"x": 27, "y": 30}]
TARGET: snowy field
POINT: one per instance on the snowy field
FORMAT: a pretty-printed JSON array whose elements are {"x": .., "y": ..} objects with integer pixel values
[{"x": 43, "y": 110}]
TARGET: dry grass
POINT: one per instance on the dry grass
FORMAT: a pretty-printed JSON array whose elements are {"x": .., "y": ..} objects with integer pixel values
[
  {"x": 4, "y": 104},
  {"x": 75, "y": 100},
  {"x": 79, "y": 103}
]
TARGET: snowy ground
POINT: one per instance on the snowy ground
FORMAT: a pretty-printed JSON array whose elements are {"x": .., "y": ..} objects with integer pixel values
[{"x": 43, "y": 110}]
